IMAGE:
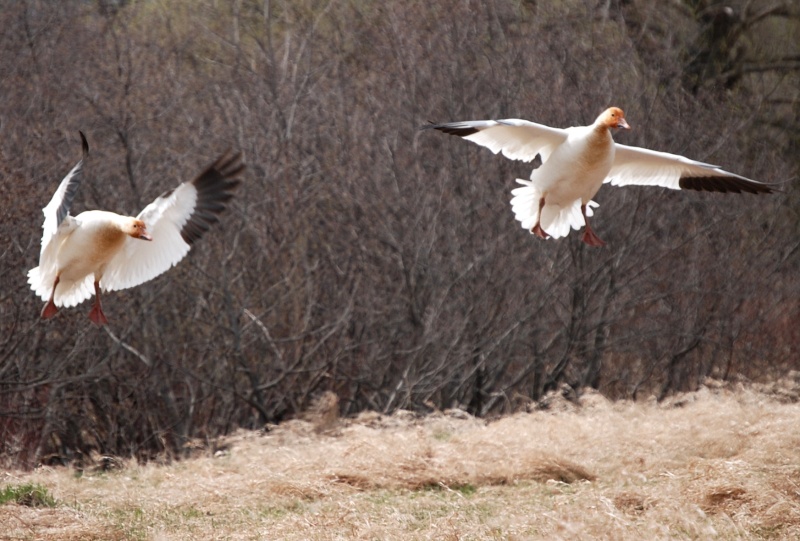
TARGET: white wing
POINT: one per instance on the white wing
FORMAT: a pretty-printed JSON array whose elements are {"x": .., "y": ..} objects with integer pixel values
[
  {"x": 640, "y": 166},
  {"x": 58, "y": 208},
  {"x": 516, "y": 139},
  {"x": 175, "y": 221},
  {"x": 57, "y": 225}
]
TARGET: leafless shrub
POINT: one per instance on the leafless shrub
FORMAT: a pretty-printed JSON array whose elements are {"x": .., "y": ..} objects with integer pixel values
[
  {"x": 361, "y": 256},
  {"x": 324, "y": 412}
]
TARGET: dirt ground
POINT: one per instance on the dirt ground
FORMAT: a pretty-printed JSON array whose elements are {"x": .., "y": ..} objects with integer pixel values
[{"x": 721, "y": 463}]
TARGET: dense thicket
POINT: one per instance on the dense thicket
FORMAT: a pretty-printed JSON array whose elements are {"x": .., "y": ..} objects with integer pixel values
[{"x": 365, "y": 257}]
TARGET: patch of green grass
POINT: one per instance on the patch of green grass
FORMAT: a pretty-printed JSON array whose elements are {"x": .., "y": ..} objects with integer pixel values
[
  {"x": 379, "y": 497},
  {"x": 272, "y": 512},
  {"x": 132, "y": 521},
  {"x": 192, "y": 513},
  {"x": 769, "y": 532},
  {"x": 466, "y": 489},
  {"x": 27, "y": 494}
]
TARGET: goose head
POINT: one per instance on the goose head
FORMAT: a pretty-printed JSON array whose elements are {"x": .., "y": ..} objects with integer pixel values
[
  {"x": 136, "y": 229},
  {"x": 613, "y": 118}
]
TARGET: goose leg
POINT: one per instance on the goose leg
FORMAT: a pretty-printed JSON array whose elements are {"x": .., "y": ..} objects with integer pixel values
[
  {"x": 537, "y": 229},
  {"x": 97, "y": 314},
  {"x": 50, "y": 309},
  {"x": 589, "y": 236}
]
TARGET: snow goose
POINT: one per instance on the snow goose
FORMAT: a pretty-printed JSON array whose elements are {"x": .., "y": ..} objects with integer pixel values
[
  {"x": 99, "y": 250},
  {"x": 576, "y": 161}
]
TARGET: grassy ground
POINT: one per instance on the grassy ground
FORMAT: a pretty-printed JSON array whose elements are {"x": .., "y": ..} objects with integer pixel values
[{"x": 717, "y": 464}]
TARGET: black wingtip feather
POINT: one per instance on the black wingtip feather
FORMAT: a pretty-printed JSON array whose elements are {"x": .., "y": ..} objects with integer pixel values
[
  {"x": 84, "y": 144},
  {"x": 461, "y": 131},
  {"x": 72, "y": 186},
  {"x": 723, "y": 185},
  {"x": 214, "y": 188}
]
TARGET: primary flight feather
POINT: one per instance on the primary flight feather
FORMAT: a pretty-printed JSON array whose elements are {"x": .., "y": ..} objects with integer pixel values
[
  {"x": 103, "y": 251},
  {"x": 576, "y": 161}
]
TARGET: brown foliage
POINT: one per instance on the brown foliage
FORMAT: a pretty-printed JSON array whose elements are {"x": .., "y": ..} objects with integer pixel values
[
  {"x": 361, "y": 256},
  {"x": 657, "y": 473}
]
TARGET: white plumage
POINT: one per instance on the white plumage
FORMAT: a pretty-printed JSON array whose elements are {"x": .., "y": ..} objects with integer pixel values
[
  {"x": 103, "y": 251},
  {"x": 577, "y": 161}
]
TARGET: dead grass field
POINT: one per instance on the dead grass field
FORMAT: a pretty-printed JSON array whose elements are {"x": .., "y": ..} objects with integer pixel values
[{"x": 716, "y": 464}]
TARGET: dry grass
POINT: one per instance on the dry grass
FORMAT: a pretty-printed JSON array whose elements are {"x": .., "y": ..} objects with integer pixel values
[{"x": 712, "y": 465}]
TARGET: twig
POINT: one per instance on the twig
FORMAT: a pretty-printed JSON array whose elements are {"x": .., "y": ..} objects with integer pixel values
[{"x": 127, "y": 347}]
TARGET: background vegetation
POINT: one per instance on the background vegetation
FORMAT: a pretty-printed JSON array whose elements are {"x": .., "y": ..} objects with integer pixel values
[
  {"x": 720, "y": 463},
  {"x": 369, "y": 259}
]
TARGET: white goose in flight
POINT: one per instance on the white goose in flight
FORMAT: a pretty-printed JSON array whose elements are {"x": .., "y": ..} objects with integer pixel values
[
  {"x": 576, "y": 161},
  {"x": 100, "y": 250}
]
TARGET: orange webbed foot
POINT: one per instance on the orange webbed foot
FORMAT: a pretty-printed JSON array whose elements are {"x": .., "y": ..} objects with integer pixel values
[
  {"x": 97, "y": 315},
  {"x": 590, "y": 238},
  {"x": 539, "y": 232},
  {"x": 50, "y": 309}
]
